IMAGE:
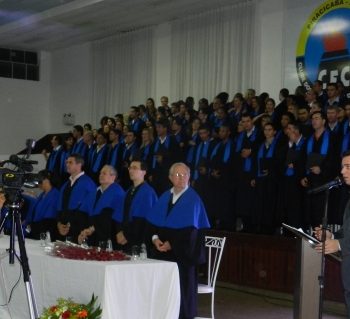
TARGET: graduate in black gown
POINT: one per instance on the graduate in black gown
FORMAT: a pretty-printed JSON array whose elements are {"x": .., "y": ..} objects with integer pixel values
[
  {"x": 322, "y": 163},
  {"x": 98, "y": 156},
  {"x": 177, "y": 222},
  {"x": 54, "y": 160},
  {"x": 107, "y": 201},
  {"x": 293, "y": 171},
  {"x": 71, "y": 219},
  {"x": 130, "y": 221},
  {"x": 42, "y": 215},
  {"x": 266, "y": 182}
]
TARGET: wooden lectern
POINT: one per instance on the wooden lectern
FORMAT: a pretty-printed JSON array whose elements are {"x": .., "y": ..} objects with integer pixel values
[{"x": 308, "y": 270}]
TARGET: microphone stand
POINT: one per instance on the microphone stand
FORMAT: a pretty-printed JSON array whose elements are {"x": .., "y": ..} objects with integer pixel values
[{"x": 323, "y": 258}]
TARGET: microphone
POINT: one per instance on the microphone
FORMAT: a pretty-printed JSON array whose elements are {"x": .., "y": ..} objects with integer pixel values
[
  {"x": 22, "y": 163},
  {"x": 334, "y": 183}
]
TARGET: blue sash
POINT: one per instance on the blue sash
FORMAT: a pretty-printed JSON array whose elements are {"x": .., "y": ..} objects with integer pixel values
[
  {"x": 247, "y": 161},
  {"x": 290, "y": 171},
  {"x": 269, "y": 153},
  {"x": 202, "y": 152},
  {"x": 346, "y": 127},
  {"x": 345, "y": 143},
  {"x": 227, "y": 151},
  {"x": 52, "y": 160},
  {"x": 156, "y": 147},
  {"x": 324, "y": 146},
  {"x": 114, "y": 158}
]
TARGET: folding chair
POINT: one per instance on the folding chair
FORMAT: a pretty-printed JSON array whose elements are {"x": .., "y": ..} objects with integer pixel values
[{"x": 215, "y": 247}]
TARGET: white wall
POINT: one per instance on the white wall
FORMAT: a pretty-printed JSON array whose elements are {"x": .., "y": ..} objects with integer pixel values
[
  {"x": 25, "y": 107},
  {"x": 70, "y": 86}
]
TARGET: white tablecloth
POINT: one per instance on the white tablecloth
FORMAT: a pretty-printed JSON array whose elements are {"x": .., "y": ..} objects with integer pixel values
[{"x": 126, "y": 289}]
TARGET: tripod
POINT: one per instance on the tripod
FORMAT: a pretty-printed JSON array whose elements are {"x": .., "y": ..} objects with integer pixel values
[{"x": 16, "y": 230}]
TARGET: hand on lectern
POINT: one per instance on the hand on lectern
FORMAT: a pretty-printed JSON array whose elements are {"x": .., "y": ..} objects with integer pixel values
[{"x": 331, "y": 246}]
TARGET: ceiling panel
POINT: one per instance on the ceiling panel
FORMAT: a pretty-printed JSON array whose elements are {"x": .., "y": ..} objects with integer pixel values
[{"x": 55, "y": 24}]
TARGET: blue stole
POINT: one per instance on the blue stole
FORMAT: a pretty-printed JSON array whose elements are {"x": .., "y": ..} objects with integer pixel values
[
  {"x": 64, "y": 156},
  {"x": 97, "y": 158},
  {"x": 290, "y": 171},
  {"x": 202, "y": 152},
  {"x": 188, "y": 211},
  {"x": 324, "y": 146},
  {"x": 81, "y": 189},
  {"x": 156, "y": 147},
  {"x": 44, "y": 207},
  {"x": 345, "y": 142},
  {"x": 146, "y": 151},
  {"x": 346, "y": 127},
  {"x": 189, "y": 158},
  {"x": 131, "y": 151},
  {"x": 247, "y": 161},
  {"x": 112, "y": 197},
  {"x": 114, "y": 158},
  {"x": 90, "y": 155},
  {"x": 52, "y": 159},
  {"x": 227, "y": 151},
  {"x": 136, "y": 125},
  {"x": 79, "y": 148},
  {"x": 269, "y": 154},
  {"x": 141, "y": 205}
]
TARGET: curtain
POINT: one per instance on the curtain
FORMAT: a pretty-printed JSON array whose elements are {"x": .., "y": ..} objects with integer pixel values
[
  {"x": 122, "y": 72},
  {"x": 215, "y": 51}
]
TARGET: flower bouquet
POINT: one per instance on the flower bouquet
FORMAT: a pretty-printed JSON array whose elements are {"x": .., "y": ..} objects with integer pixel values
[{"x": 68, "y": 309}]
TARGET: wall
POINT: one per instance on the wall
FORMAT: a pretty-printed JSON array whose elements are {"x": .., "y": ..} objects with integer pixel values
[
  {"x": 25, "y": 109},
  {"x": 70, "y": 86}
]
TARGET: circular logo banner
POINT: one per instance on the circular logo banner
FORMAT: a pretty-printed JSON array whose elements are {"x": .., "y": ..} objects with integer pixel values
[{"x": 324, "y": 45}]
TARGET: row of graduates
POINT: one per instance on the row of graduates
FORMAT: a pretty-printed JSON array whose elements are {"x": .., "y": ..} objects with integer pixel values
[
  {"x": 172, "y": 226},
  {"x": 224, "y": 168}
]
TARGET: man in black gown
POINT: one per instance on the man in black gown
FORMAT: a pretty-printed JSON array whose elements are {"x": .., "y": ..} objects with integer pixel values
[{"x": 177, "y": 223}]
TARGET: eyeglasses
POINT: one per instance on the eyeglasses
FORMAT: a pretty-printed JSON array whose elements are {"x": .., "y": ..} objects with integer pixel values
[{"x": 180, "y": 174}]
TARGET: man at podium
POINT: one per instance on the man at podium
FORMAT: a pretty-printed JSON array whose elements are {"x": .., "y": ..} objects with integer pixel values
[{"x": 340, "y": 241}]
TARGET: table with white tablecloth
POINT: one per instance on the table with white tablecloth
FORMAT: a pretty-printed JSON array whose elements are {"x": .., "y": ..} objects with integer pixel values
[{"x": 125, "y": 289}]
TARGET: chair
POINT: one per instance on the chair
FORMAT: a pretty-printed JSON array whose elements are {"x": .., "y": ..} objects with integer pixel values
[{"x": 215, "y": 247}]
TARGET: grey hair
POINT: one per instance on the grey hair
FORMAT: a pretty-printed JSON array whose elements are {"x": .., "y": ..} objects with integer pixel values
[
  {"x": 111, "y": 169},
  {"x": 172, "y": 168}
]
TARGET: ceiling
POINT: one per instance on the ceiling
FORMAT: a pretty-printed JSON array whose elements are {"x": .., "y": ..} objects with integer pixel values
[{"x": 54, "y": 24}]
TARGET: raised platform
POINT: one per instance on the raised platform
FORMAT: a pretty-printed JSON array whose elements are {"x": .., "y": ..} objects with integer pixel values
[{"x": 269, "y": 262}]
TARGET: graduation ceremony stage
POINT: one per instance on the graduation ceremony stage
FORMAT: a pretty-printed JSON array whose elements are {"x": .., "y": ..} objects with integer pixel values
[{"x": 269, "y": 263}]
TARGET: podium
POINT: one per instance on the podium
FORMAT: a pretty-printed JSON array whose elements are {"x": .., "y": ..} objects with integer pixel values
[{"x": 308, "y": 270}]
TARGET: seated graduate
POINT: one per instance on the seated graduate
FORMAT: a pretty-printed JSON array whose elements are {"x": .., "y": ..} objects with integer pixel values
[
  {"x": 42, "y": 215},
  {"x": 177, "y": 223},
  {"x": 130, "y": 222},
  {"x": 106, "y": 201},
  {"x": 71, "y": 219}
]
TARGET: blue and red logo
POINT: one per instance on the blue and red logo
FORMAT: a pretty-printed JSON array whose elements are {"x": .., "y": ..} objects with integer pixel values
[{"x": 323, "y": 51}]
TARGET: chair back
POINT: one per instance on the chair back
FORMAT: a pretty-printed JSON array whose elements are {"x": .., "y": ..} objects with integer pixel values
[{"x": 215, "y": 247}]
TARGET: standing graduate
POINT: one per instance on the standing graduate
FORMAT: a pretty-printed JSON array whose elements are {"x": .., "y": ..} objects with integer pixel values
[
  {"x": 71, "y": 218},
  {"x": 321, "y": 164},
  {"x": 177, "y": 224},
  {"x": 106, "y": 201},
  {"x": 42, "y": 215},
  {"x": 291, "y": 202},
  {"x": 266, "y": 182},
  {"x": 115, "y": 150},
  {"x": 98, "y": 156},
  {"x": 130, "y": 221}
]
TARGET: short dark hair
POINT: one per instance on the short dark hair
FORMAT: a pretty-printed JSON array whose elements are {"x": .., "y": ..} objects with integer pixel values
[
  {"x": 143, "y": 164},
  {"x": 79, "y": 159},
  {"x": 284, "y": 92},
  {"x": 323, "y": 116},
  {"x": 246, "y": 114},
  {"x": 79, "y": 129},
  {"x": 345, "y": 154},
  {"x": 116, "y": 131},
  {"x": 332, "y": 84}
]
